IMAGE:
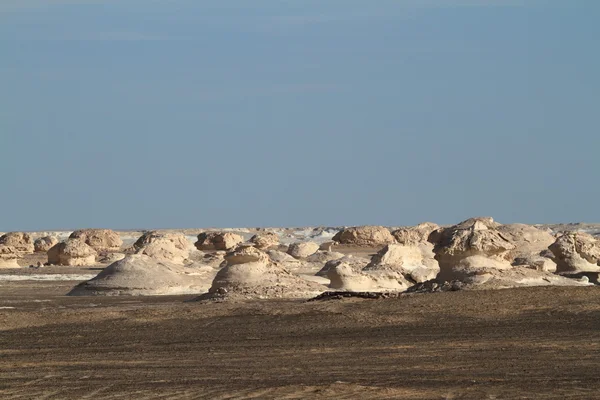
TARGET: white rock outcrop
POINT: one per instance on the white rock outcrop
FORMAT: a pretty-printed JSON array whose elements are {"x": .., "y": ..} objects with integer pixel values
[
  {"x": 73, "y": 252},
  {"x": 345, "y": 277},
  {"x": 468, "y": 243},
  {"x": 371, "y": 236},
  {"x": 249, "y": 273},
  {"x": 166, "y": 250},
  {"x": 43, "y": 244},
  {"x": 20, "y": 241},
  {"x": 415, "y": 262},
  {"x": 218, "y": 240},
  {"x": 99, "y": 239},
  {"x": 303, "y": 249},
  {"x": 265, "y": 240},
  {"x": 415, "y": 234},
  {"x": 9, "y": 256},
  {"x": 576, "y": 252}
]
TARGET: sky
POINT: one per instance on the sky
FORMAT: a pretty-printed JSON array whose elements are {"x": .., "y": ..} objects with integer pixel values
[{"x": 138, "y": 114}]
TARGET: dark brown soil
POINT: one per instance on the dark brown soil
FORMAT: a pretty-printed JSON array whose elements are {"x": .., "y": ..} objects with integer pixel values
[{"x": 530, "y": 343}]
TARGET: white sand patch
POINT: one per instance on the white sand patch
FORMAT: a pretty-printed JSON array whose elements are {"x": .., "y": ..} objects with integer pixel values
[{"x": 48, "y": 277}]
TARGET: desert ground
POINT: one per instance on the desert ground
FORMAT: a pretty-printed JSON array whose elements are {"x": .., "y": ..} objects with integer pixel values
[
  {"x": 523, "y": 322},
  {"x": 524, "y": 343}
]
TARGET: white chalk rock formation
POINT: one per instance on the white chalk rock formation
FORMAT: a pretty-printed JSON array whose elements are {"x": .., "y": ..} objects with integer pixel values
[
  {"x": 140, "y": 275},
  {"x": 357, "y": 264},
  {"x": 576, "y": 252},
  {"x": 178, "y": 239},
  {"x": 528, "y": 240},
  {"x": 415, "y": 234},
  {"x": 345, "y": 277},
  {"x": 476, "y": 239},
  {"x": 249, "y": 273},
  {"x": 9, "y": 256},
  {"x": 99, "y": 239},
  {"x": 43, "y": 244},
  {"x": 371, "y": 236},
  {"x": 302, "y": 250},
  {"x": 164, "y": 249},
  {"x": 218, "y": 240},
  {"x": 492, "y": 277},
  {"x": 73, "y": 252},
  {"x": 265, "y": 240},
  {"x": 415, "y": 262},
  {"x": 20, "y": 241},
  {"x": 536, "y": 262}
]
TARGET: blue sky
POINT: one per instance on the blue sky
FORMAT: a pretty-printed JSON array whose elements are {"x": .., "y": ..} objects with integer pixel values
[{"x": 155, "y": 114}]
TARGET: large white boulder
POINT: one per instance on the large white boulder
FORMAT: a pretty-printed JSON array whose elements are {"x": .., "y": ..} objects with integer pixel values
[
  {"x": 372, "y": 236},
  {"x": 576, "y": 252},
  {"x": 218, "y": 240},
  {"x": 303, "y": 249},
  {"x": 415, "y": 262},
  {"x": 264, "y": 240},
  {"x": 43, "y": 244},
  {"x": 20, "y": 241},
  {"x": 9, "y": 256},
  {"x": 73, "y": 252},
  {"x": 415, "y": 234},
  {"x": 99, "y": 239}
]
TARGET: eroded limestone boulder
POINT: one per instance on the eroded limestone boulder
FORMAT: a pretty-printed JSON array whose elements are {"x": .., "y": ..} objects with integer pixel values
[
  {"x": 372, "y": 236},
  {"x": 99, "y": 239},
  {"x": 73, "y": 252}
]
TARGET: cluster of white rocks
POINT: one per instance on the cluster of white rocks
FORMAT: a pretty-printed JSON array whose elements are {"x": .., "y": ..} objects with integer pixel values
[{"x": 476, "y": 253}]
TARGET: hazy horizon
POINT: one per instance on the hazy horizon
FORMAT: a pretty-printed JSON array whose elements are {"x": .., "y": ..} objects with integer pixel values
[{"x": 185, "y": 114}]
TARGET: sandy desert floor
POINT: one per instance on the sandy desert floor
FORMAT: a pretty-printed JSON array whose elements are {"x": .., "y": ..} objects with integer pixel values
[{"x": 528, "y": 343}]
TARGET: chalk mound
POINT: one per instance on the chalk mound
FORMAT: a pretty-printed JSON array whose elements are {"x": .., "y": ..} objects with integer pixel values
[
  {"x": 73, "y": 252},
  {"x": 265, "y": 240},
  {"x": 99, "y": 239},
  {"x": 166, "y": 250},
  {"x": 43, "y": 244},
  {"x": 179, "y": 240},
  {"x": 415, "y": 234},
  {"x": 528, "y": 240},
  {"x": 415, "y": 262},
  {"x": 475, "y": 237},
  {"x": 371, "y": 236},
  {"x": 218, "y": 241},
  {"x": 249, "y": 274},
  {"x": 303, "y": 249},
  {"x": 20, "y": 241},
  {"x": 576, "y": 252},
  {"x": 140, "y": 275},
  {"x": 9, "y": 256},
  {"x": 357, "y": 263},
  {"x": 346, "y": 277}
]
